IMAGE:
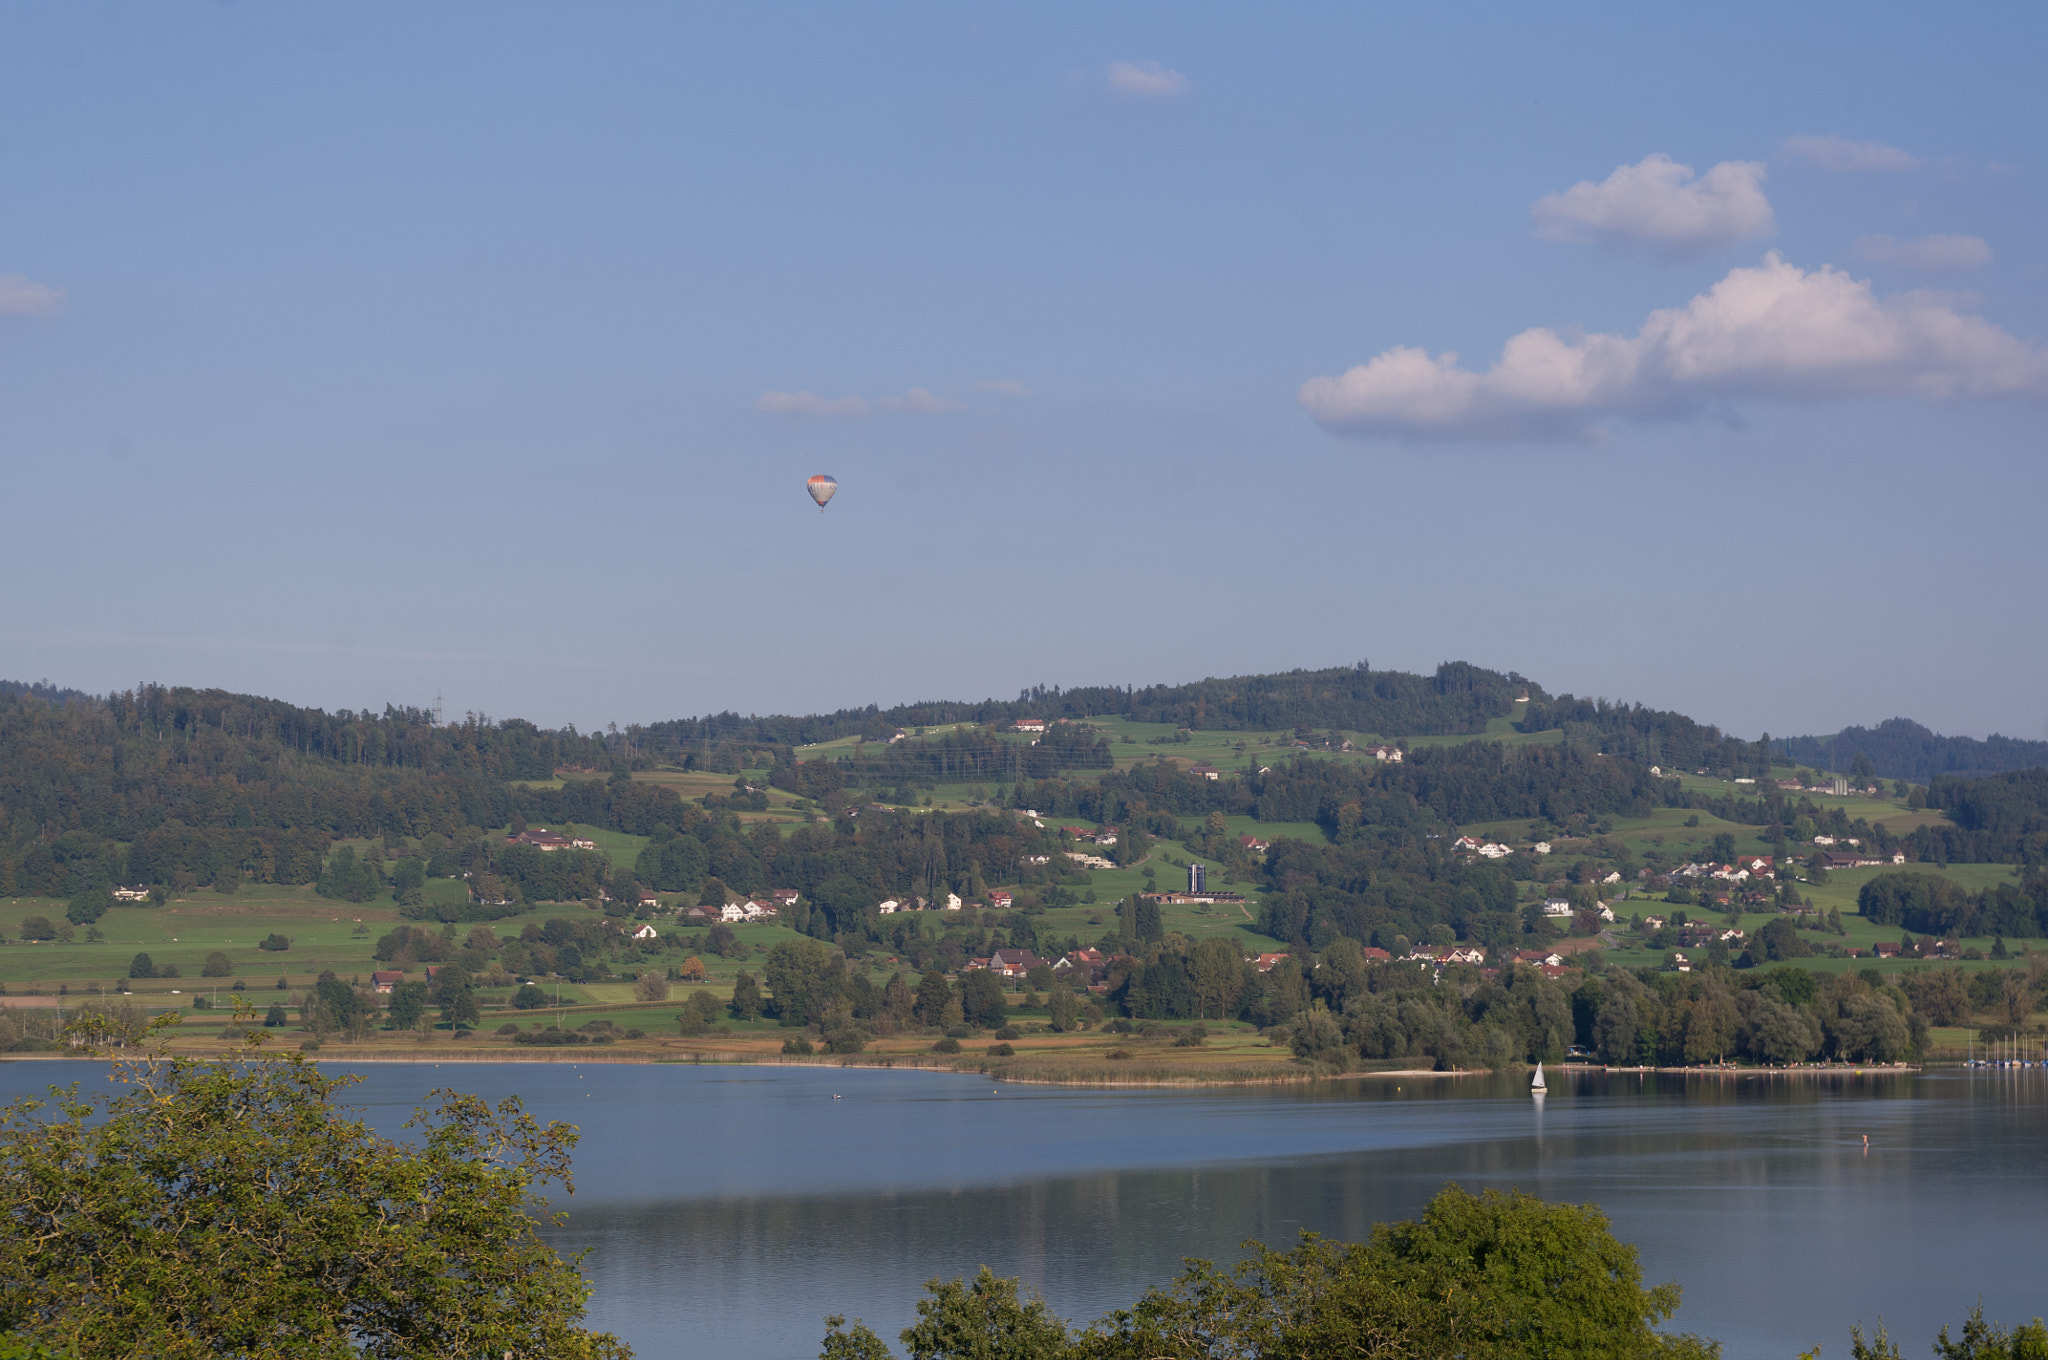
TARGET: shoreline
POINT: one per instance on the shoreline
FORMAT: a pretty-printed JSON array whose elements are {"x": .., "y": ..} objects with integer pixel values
[{"x": 987, "y": 1070}]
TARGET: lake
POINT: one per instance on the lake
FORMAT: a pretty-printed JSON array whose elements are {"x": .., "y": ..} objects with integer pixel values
[{"x": 727, "y": 1209}]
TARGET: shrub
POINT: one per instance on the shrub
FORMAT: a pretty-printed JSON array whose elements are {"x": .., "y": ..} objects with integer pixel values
[
  {"x": 38, "y": 928},
  {"x": 273, "y": 1017},
  {"x": 507, "y": 1031},
  {"x": 274, "y": 942},
  {"x": 1001, "y": 1051},
  {"x": 797, "y": 1044},
  {"x": 650, "y": 986},
  {"x": 551, "y": 1038},
  {"x": 845, "y": 1041},
  {"x": 947, "y": 1045},
  {"x": 1117, "y": 1054},
  {"x": 528, "y": 997},
  {"x": 636, "y": 1034},
  {"x": 168, "y": 970},
  {"x": 217, "y": 965},
  {"x": 1009, "y": 1032},
  {"x": 309, "y": 1046},
  {"x": 960, "y": 1032}
]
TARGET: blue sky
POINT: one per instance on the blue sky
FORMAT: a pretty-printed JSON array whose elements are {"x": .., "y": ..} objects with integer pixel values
[{"x": 356, "y": 354}]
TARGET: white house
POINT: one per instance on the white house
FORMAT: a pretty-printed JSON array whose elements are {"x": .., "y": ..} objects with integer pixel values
[
  {"x": 889, "y": 907},
  {"x": 131, "y": 894},
  {"x": 644, "y": 933},
  {"x": 1541, "y": 847},
  {"x": 1557, "y": 906},
  {"x": 952, "y": 901}
]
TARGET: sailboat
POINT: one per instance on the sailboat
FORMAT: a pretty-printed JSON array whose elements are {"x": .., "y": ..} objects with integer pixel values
[{"x": 1537, "y": 1087}]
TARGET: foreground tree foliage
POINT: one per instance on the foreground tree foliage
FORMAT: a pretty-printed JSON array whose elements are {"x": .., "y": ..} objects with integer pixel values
[
  {"x": 231, "y": 1207},
  {"x": 1484, "y": 1277}
]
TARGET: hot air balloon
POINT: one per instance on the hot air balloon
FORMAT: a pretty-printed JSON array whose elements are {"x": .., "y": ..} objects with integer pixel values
[{"x": 822, "y": 489}]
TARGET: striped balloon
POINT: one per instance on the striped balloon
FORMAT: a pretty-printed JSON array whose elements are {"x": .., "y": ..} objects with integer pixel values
[{"x": 822, "y": 489}]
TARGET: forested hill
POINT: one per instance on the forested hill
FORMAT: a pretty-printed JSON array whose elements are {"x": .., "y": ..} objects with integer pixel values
[
  {"x": 1457, "y": 699},
  {"x": 1900, "y": 748}
]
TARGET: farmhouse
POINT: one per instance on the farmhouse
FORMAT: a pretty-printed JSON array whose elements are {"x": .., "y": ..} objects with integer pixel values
[
  {"x": 1266, "y": 963},
  {"x": 137, "y": 894},
  {"x": 1557, "y": 906},
  {"x": 1254, "y": 844},
  {"x": 1001, "y": 899},
  {"x": 645, "y": 933},
  {"x": 385, "y": 981},
  {"x": 1028, "y": 725},
  {"x": 1205, "y": 772}
]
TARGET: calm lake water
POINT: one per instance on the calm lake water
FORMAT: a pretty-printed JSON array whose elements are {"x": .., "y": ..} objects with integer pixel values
[{"x": 728, "y": 1209}]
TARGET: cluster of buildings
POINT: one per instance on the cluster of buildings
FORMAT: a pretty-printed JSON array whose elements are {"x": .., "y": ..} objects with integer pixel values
[
  {"x": 546, "y": 840},
  {"x": 1472, "y": 845}
]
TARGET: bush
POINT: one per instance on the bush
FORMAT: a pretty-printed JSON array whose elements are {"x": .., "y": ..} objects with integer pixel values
[
  {"x": 947, "y": 1045},
  {"x": 273, "y": 1017},
  {"x": 38, "y": 928},
  {"x": 88, "y": 907},
  {"x": 650, "y": 986},
  {"x": 168, "y": 970},
  {"x": 528, "y": 997},
  {"x": 1192, "y": 1037},
  {"x": 636, "y": 1034},
  {"x": 960, "y": 1032},
  {"x": 550, "y": 1038},
  {"x": 797, "y": 1045},
  {"x": 309, "y": 1046},
  {"x": 217, "y": 965},
  {"x": 1001, "y": 1051},
  {"x": 274, "y": 942},
  {"x": 507, "y": 1031},
  {"x": 846, "y": 1041},
  {"x": 1009, "y": 1032},
  {"x": 1117, "y": 1054}
]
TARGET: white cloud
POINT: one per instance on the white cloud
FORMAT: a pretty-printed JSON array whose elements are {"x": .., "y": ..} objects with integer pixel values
[
  {"x": 1931, "y": 253},
  {"x": 19, "y": 296},
  {"x": 1009, "y": 387},
  {"x": 1146, "y": 78},
  {"x": 918, "y": 402},
  {"x": 1657, "y": 202},
  {"x": 809, "y": 404},
  {"x": 1768, "y": 331},
  {"x": 1839, "y": 153}
]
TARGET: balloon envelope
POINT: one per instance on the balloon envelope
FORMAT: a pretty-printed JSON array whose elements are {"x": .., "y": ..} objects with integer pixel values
[{"x": 822, "y": 489}]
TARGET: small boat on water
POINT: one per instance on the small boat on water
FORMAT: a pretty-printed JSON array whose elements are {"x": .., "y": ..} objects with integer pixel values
[{"x": 1537, "y": 1087}]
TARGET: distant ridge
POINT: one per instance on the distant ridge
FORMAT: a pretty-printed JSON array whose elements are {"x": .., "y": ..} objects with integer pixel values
[
  {"x": 47, "y": 692},
  {"x": 1900, "y": 748}
]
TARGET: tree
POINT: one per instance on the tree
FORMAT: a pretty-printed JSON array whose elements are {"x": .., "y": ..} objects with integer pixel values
[
  {"x": 39, "y": 928},
  {"x": 328, "y": 1240},
  {"x": 1062, "y": 1010},
  {"x": 1489, "y": 1277},
  {"x": 746, "y": 997},
  {"x": 981, "y": 1000},
  {"x": 933, "y": 992},
  {"x": 650, "y": 986},
  {"x": 141, "y": 966},
  {"x": 988, "y": 1318},
  {"x": 528, "y": 997},
  {"x": 458, "y": 1002},
  {"x": 409, "y": 1005},
  {"x": 217, "y": 965}
]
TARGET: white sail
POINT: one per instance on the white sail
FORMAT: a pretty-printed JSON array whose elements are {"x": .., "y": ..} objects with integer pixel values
[{"x": 1537, "y": 1085}]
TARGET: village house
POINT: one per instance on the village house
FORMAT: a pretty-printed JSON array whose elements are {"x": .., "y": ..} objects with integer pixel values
[
  {"x": 1538, "y": 958},
  {"x": 952, "y": 901},
  {"x": 645, "y": 933},
  {"x": 1390, "y": 754},
  {"x": 888, "y": 907},
  {"x": 783, "y": 897},
  {"x": 1087, "y": 965},
  {"x": 1541, "y": 847},
  {"x": 1265, "y": 963},
  {"x": 749, "y": 910},
  {"x": 1028, "y": 725},
  {"x": 1013, "y": 964},
  {"x": 1001, "y": 899},
  {"x": 1090, "y": 861},
  {"x": 1205, "y": 772},
  {"x": 137, "y": 894},
  {"x": 649, "y": 901},
  {"x": 1557, "y": 906},
  {"x": 1653, "y": 923},
  {"x": 385, "y": 980},
  {"x": 1885, "y": 949},
  {"x": 1254, "y": 844}
]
